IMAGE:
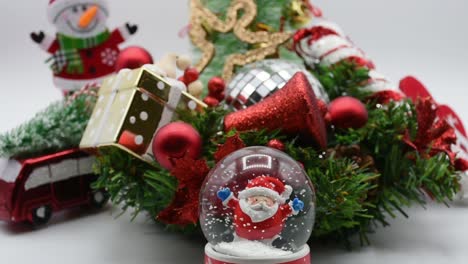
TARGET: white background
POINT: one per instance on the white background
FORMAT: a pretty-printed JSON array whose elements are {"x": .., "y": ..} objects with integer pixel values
[{"x": 427, "y": 38}]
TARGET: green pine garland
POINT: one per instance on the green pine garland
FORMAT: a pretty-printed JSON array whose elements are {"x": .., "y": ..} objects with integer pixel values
[
  {"x": 349, "y": 197},
  {"x": 60, "y": 126},
  {"x": 133, "y": 183},
  {"x": 343, "y": 79}
]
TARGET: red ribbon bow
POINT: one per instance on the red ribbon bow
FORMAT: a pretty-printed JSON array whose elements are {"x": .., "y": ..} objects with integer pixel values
[
  {"x": 434, "y": 135},
  {"x": 191, "y": 173},
  {"x": 184, "y": 208},
  {"x": 439, "y": 127}
]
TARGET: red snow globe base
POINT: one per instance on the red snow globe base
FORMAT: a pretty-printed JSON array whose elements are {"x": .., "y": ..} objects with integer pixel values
[
  {"x": 300, "y": 257},
  {"x": 257, "y": 206}
]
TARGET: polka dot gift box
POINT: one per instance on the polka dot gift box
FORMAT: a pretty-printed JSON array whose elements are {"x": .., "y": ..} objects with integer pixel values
[{"x": 132, "y": 106}]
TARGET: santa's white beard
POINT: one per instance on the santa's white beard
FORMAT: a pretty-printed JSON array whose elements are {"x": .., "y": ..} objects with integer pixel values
[{"x": 258, "y": 212}]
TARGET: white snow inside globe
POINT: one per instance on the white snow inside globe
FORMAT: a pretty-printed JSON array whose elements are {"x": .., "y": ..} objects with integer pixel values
[{"x": 257, "y": 204}]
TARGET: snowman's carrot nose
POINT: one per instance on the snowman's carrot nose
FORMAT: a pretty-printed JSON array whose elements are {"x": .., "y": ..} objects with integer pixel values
[{"x": 88, "y": 16}]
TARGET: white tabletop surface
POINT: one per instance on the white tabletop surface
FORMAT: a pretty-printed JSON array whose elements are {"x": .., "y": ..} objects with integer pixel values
[{"x": 426, "y": 38}]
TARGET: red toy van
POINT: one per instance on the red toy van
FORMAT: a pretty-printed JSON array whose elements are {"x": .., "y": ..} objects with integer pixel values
[{"x": 31, "y": 190}]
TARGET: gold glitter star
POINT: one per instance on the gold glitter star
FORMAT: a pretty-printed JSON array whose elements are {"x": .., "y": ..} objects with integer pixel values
[{"x": 266, "y": 42}]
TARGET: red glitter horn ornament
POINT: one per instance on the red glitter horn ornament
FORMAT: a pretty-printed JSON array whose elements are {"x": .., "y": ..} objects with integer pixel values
[{"x": 293, "y": 109}]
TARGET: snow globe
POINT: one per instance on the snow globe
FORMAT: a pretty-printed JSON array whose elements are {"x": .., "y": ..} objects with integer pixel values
[{"x": 257, "y": 206}]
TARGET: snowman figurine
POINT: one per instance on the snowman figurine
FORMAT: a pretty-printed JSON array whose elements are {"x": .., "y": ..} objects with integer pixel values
[{"x": 84, "y": 51}]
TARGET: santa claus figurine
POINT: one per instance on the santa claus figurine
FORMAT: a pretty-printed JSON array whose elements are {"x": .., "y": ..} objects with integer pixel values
[
  {"x": 260, "y": 210},
  {"x": 84, "y": 50}
]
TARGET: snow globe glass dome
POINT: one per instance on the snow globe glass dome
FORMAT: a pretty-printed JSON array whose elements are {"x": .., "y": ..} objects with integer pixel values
[{"x": 257, "y": 206}]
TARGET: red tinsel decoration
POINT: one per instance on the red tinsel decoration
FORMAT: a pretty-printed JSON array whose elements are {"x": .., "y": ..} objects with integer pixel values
[
  {"x": 184, "y": 208},
  {"x": 232, "y": 144},
  {"x": 434, "y": 135}
]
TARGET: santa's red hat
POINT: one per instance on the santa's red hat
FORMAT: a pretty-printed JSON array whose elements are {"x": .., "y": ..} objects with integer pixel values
[
  {"x": 267, "y": 186},
  {"x": 56, "y": 7}
]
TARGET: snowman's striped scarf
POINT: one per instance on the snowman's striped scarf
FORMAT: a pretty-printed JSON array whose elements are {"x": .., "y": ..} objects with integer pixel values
[{"x": 68, "y": 55}]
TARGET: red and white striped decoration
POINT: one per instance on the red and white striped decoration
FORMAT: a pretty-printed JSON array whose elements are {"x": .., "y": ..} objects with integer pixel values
[
  {"x": 90, "y": 89},
  {"x": 325, "y": 43}
]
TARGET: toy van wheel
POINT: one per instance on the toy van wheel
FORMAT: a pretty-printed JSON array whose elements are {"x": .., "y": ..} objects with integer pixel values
[
  {"x": 99, "y": 199},
  {"x": 41, "y": 215}
]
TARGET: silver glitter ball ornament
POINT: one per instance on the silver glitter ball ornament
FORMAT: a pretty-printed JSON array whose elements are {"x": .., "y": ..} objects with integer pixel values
[{"x": 256, "y": 81}]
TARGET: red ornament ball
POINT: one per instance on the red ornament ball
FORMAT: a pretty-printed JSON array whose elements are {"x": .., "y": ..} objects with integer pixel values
[
  {"x": 191, "y": 75},
  {"x": 133, "y": 58},
  {"x": 211, "y": 101},
  {"x": 175, "y": 141},
  {"x": 347, "y": 112},
  {"x": 276, "y": 144},
  {"x": 216, "y": 87}
]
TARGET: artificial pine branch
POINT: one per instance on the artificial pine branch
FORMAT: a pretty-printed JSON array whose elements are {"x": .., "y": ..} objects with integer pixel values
[
  {"x": 342, "y": 186},
  {"x": 404, "y": 174},
  {"x": 133, "y": 183},
  {"x": 342, "y": 189},
  {"x": 349, "y": 197},
  {"x": 60, "y": 126},
  {"x": 344, "y": 78}
]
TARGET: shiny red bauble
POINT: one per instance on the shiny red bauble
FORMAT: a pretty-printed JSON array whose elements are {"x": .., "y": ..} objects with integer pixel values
[
  {"x": 211, "y": 101},
  {"x": 216, "y": 87},
  {"x": 191, "y": 75},
  {"x": 347, "y": 112},
  {"x": 175, "y": 141},
  {"x": 133, "y": 58},
  {"x": 276, "y": 144}
]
